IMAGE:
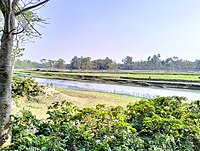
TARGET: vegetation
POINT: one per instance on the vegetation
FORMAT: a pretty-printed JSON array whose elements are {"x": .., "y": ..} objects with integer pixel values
[
  {"x": 163, "y": 123},
  {"x": 59, "y": 64},
  {"x": 86, "y": 63},
  {"x": 185, "y": 76},
  {"x": 91, "y": 99},
  {"x": 180, "y": 80},
  {"x": 38, "y": 104},
  {"x": 24, "y": 87},
  {"x": 26, "y": 64},
  {"x": 28, "y": 95},
  {"x": 155, "y": 63}
]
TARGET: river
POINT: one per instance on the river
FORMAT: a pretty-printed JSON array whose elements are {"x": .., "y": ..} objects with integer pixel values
[{"x": 144, "y": 92}]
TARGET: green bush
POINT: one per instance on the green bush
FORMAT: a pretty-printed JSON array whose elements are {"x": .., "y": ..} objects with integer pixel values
[
  {"x": 24, "y": 87},
  {"x": 163, "y": 123}
]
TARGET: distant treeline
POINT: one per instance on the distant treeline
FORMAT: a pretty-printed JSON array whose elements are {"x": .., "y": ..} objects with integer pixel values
[{"x": 86, "y": 63}]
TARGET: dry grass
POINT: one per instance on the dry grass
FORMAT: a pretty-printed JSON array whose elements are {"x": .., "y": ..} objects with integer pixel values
[
  {"x": 91, "y": 99},
  {"x": 38, "y": 105}
]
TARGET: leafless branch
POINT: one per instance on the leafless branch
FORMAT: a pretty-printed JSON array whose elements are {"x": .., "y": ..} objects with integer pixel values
[
  {"x": 11, "y": 31},
  {"x": 2, "y": 31},
  {"x": 31, "y": 25},
  {"x": 19, "y": 32},
  {"x": 31, "y": 7}
]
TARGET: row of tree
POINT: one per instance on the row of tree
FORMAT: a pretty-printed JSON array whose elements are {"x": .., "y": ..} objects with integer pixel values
[
  {"x": 86, "y": 63},
  {"x": 44, "y": 63},
  {"x": 83, "y": 63},
  {"x": 155, "y": 63}
]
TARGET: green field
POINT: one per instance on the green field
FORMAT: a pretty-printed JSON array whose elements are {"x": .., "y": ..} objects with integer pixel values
[
  {"x": 159, "y": 79},
  {"x": 74, "y": 75}
]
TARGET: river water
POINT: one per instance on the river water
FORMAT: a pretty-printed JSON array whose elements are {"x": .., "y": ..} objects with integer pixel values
[{"x": 144, "y": 92}]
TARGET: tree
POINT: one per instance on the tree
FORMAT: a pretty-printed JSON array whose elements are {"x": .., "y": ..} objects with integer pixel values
[
  {"x": 43, "y": 63},
  {"x": 50, "y": 64},
  {"x": 104, "y": 64},
  {"x": 26, "y": 64},
  {"x": 75, "y": 63},
  {"x": 128, "y": 63},
  {"x": 60, "y": 64},
  {"x": 197, "y": 65},
  {"x": 13, "y": 11},
  {"x": 85, "y": 62},
  {"x": 128, "y": 60},
  {"x": 97, "y": 64},
  {"x": 107, "y": 63}
]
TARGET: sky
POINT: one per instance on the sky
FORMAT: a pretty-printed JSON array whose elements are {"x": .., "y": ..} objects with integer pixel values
[{"x": 118, "y": 28}]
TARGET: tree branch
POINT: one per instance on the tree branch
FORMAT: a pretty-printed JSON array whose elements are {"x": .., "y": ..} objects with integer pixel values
[
  {"x": 14, "y": 3},
  {"x": 2, "y": 5},
  {"x": 2, "y": 31},
  {"x": 19, "y": 32},
  {"x": 31, "y": 7},
  {"x": 28, "y": 22}
]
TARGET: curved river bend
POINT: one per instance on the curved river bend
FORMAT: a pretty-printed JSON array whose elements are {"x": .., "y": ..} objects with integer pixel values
[{"x": 144, "y": 92}]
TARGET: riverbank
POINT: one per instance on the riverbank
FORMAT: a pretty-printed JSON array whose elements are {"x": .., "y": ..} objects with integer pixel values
[
  {"x": 38, "y": 105},
  {"x": 183, "y": 80}
]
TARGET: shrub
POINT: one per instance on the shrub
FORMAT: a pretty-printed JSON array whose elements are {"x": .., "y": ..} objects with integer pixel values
[
  {"x": 24, "y": 87},
  {"x": 164, "y": 123}
]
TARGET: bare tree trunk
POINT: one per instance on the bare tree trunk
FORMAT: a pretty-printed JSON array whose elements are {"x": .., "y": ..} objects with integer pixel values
[{"x": 5, "y": 76}]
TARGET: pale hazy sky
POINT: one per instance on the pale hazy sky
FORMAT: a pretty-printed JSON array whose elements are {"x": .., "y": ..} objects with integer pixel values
[{"x": 117, "y": 28}]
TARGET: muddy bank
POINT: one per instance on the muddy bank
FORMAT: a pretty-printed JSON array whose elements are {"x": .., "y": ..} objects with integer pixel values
[
  {"x": 147, "y": 82},
  {"x": 157, "y": 83}
]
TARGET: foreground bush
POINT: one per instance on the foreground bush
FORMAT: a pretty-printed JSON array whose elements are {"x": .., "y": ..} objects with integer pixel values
[
  {"x": 24, "y": 87},
  {"x": 163, "y": 123}
]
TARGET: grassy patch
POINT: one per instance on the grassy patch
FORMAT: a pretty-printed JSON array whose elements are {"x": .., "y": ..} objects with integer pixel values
[
  {"x": 102, "y": 75},
  {"x": 166, "y": 76},
  {"x": 38, "y": 105},
  {"x": 91, "y": 99}
]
